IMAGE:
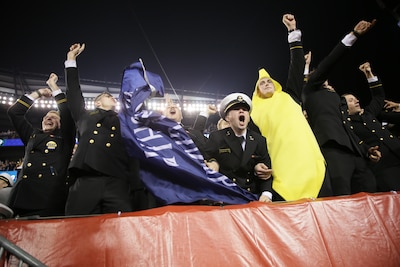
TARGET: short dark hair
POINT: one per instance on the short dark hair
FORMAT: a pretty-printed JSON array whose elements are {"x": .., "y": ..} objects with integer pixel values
[{"x": 101, "y": 94}]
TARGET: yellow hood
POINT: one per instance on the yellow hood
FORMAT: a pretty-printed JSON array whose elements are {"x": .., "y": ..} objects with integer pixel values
[{"x": 262, "y": 73}]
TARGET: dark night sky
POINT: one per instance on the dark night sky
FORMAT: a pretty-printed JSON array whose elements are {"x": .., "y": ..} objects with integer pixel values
[{"x": 197, "y": 45}]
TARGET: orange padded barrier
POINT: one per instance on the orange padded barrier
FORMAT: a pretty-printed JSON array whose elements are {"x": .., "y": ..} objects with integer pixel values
[{"x": 358, "y": 230}]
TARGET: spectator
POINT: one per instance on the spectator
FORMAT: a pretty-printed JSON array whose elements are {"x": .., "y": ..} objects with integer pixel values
[
  {"x": 41, "y": 188},
  {"x": 299, "y": 166},
  {"x": 327, "y": 114},
  {"x": 238, "y": 152},
  {"x": 370, "y": 131},
  {"x": 6, "y": 183},
  {"x": 99, "y": 167},
  {"x": 196, "y": 132}
]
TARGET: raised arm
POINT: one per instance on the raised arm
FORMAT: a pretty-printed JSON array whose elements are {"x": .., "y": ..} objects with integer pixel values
[
  {"x": 320, "y": 75},
  {"x": 366, "y": 69},
  {"x": 17, "y": 111},
  {"x": 68, "y": 128},
  {"x": 295, "y": 80},
  {"x": 376, "y": 88},
  {"x": 289, "y": 21},
  {"x": 76, "y": 102}
]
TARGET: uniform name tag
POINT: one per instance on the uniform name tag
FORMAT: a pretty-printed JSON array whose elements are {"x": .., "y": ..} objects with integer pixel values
[{"x": 224, "y": 150}]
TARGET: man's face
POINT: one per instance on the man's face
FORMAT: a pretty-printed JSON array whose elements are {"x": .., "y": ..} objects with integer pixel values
[
  {"x": 51, "y": 122},
  {"x": 173, "y": 112},
  {"x": 3, "y": 184},
  {"x": 238, "y": 117},
  {"x": 266, "y": 88},
  {"x": 106, "y": 102},
  {"x": 353, "y": 104}
]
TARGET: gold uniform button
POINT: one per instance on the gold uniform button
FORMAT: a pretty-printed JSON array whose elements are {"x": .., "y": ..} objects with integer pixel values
[
  {"x": 98, "y": 125},
  {"x": 108, "y": 145},
  {"x": 91, "y": 141},
  {"x": 364, "y": 123},
  {"x": 113, "y": 128},
  {"x": 95, "y": 132},
  {"x": 248, "y": 189},
  {"x": 112, "y": 135},
  {"x": 46, "y": 151},
  {"x": 391, "y": 136},
  {"x": 247, "y": 180},
  {"x": 381, "y": 138},
  {"x": 32, "y": 151},
  {"x": 29, "y": 164},
  {"x": 44, "y": 164},
  {"x": 234, "y": 180},
  {"x": 24, "y": 176},
  {"x": 348, "y": 119},
  {"x": 351, "y": 127},
  {"x": 40, "y": 175},
  {"x": 373, "y": 131}
]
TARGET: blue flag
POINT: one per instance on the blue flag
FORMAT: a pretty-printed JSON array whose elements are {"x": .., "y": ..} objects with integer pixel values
[{"x": 172, "y": 167}]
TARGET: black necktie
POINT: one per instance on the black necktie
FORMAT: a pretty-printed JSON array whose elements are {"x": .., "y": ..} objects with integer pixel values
[{"x": 241, "y": 140}]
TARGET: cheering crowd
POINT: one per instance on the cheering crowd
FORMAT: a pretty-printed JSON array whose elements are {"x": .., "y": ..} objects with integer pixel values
[{"x": 283, "y": 143}]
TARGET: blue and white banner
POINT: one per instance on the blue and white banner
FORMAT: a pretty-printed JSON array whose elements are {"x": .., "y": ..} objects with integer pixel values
[{"x": 172, "y": 168}]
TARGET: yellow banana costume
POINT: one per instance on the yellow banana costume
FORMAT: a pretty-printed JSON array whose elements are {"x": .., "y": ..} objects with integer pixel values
[{"x": 297, "y": 162}]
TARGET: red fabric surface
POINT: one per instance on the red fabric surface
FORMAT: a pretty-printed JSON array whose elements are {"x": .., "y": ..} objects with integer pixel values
[{"x": 358, "y": 230}]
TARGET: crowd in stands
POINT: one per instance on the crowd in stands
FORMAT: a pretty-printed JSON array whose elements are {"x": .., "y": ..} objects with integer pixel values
[
  {"x": 10, "y": 165},
  {"x": 283, "y": 143},
  {"x": 9, "y": 134}
]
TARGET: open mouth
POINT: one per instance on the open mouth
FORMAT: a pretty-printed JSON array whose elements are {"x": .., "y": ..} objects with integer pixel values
[{"x": 241, "y": 118}]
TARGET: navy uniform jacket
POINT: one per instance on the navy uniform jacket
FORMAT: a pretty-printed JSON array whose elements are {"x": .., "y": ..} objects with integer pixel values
[
  {"x": 236, "y": 164},
  {"x": 42, "y": 183},
  {"x": 392, "y": 118},
  {"x": 101, "y": 150},
  {"x": 370, "y": 130}
]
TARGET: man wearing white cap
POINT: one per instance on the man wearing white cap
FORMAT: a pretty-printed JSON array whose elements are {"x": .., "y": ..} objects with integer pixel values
[
  {"x": 6, "y": 183},
  {"x": 238, "y": 152},
  {"x": 6, "y": 180}
]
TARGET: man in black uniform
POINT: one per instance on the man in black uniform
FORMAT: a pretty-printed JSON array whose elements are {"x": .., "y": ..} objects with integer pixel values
[
  {"x": 99, "y": 167},
  {"x": 238, "y": 152},
  {"x": 41, "y": 188},
  {"x": 370, "y": 131},
  {"x": 327, "y": 113}
]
